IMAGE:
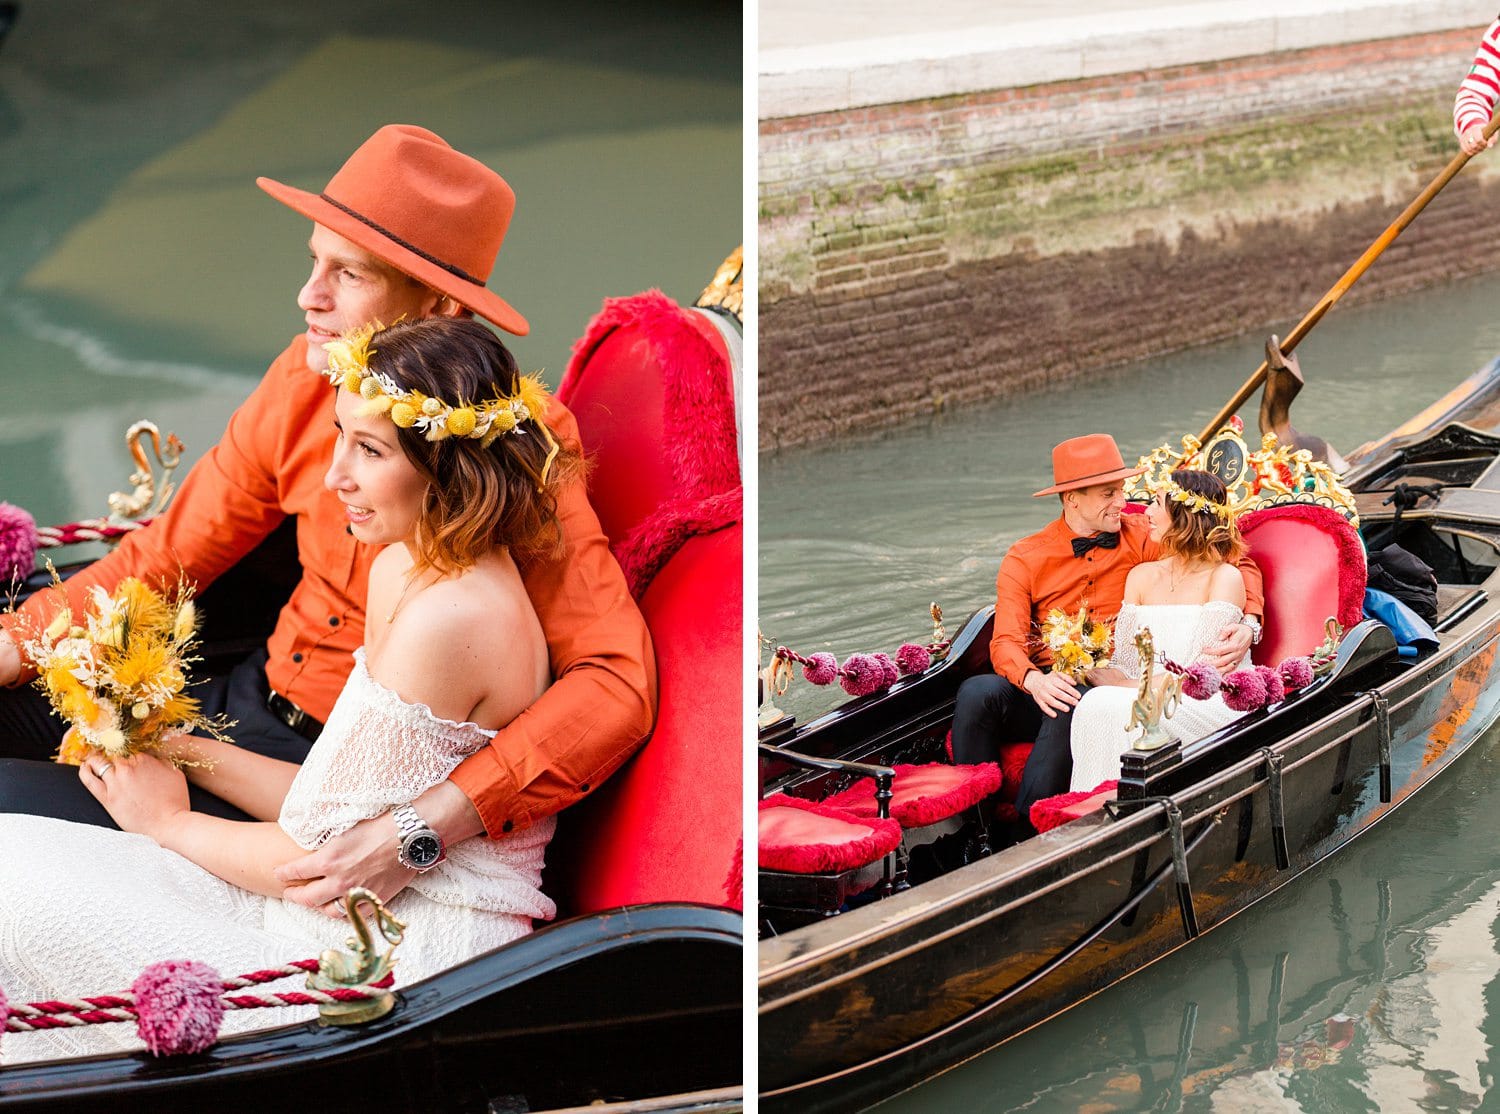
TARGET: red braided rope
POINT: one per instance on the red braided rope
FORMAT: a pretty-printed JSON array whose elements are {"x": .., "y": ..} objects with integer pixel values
[
  {"x": 89, "y": 530},
  {"x": 97, "y": 1010}
]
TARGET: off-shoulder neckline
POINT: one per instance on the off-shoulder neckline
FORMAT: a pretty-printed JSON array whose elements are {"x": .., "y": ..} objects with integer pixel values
[{"x": 363, "y": 666}]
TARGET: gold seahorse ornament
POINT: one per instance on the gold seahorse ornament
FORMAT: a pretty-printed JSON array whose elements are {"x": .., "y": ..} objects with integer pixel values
[
  {"x": 342, "y": 971},
  {"x": 149, "y": 495},
  {"x": 1153, "y": 702}
]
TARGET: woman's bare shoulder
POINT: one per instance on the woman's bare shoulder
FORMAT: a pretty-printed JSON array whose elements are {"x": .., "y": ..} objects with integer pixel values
[
  {"x": 445, "y": 644},
  {"x": 1227, "y": 584}
]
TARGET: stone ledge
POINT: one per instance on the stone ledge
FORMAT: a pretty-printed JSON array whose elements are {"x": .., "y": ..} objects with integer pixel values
[{"x": 886, "y": 68}]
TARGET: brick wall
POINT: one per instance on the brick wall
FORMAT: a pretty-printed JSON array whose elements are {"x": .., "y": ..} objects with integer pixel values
[{"x": 934, "y": 253}]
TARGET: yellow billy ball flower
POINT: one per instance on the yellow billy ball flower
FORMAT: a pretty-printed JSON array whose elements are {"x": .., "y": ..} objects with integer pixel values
[
  {"x": 370, "y": 387},
  {"x": 461, "y": 421},
  {"x": 352, "y": 381},
  {"x": 432, "y": 407},
  {"x": 404, "y": 414},
  {"x": 505, "y": 421}
]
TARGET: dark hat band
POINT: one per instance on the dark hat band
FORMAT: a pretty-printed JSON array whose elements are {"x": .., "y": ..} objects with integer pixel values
[
  {"x": 1092, "y": 475},
  {"x": 456, "y": 272}
]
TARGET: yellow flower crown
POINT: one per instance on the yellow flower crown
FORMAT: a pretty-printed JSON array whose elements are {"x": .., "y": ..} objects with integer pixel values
[
  {"x": 1191, "y": 499},
  {"x": 349, "y": 367}
]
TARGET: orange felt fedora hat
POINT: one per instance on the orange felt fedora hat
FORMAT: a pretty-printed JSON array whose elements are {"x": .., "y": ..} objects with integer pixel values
[
  {"x": 431, "y": 212},
  {"x": 1085, "y": 461}
]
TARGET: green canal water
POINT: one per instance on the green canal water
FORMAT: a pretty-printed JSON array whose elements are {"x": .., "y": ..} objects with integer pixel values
[
  {"x": 1367, "y": 985},
  {"x": 144, "y": 275}
]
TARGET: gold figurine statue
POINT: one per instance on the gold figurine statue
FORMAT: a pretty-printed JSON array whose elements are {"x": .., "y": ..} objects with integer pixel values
[
  {"x": 340, "y": 970},
  {"x": 150, "y": 495},
  {"x": 1153, "y": 702}
]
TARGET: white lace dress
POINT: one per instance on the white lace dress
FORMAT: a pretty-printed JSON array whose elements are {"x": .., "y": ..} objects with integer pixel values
[
  {"x": 1181, "y": 631},
  {"x": 83, "y": 909}
]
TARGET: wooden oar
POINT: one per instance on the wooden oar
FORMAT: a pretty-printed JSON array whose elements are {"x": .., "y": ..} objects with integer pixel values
[{"x": 1351, "y": 276}]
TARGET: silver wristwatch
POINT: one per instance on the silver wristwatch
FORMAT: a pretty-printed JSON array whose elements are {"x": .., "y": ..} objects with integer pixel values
[
  {"x": 1254, "y": 624},
  {"x": 418, "y": 846}
]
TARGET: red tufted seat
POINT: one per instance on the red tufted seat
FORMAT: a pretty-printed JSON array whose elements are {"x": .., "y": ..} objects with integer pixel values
[
  {"x": 1053, "y": 812},
  {"x": 924, "y": 795},
  {"x": 814, "y": 856},
  {"x": 650, "y": 384},
  {"x": 1314, "y": 570}
]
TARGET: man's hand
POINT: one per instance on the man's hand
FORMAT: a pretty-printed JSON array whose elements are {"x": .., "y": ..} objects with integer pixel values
[
  {"x": 1472, "y": 141},
  {"x": 365, "y": 855},
  {"x": 10, "y": 660},
  {"x": 1053, "y": 692},
  {"x": 142, "y": 794},
  {"x": 1230, "y": 649}
]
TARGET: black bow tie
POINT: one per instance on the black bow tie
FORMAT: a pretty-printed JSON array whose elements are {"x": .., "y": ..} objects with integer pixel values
[{"x": 1103, "y": 541}]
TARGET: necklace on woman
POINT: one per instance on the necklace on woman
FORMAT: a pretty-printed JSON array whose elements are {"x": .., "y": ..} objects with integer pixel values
[
  {"x": 1176, "y": 582},
  {"x": 391, "y": 618}
]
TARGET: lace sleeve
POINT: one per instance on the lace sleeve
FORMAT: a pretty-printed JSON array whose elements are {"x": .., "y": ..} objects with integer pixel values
[
  {"x": 376, "y": 752},
  {"x": 1213, "y": 619},
  {"x": 1127, "y": 658}
]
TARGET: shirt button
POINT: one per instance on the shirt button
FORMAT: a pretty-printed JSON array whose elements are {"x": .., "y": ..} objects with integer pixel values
[
  {"x": 333, "y": 620},
  {"x": 297, "y": 658},
  {"x": 507, "y": 826}
]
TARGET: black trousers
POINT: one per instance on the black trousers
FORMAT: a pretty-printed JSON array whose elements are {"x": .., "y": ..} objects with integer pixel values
[
  {"x": 29, "y": 733},
  {"x": 990, "y": 711}
]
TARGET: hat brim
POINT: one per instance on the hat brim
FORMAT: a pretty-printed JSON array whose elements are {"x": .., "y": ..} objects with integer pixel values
[
  {"x": 1088, "y": 481},
  {"x": 478, "y": 298}
]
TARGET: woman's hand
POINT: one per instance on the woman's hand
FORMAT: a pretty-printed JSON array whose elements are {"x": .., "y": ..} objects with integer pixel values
[
  {"x": 1109, "y": 675},
  {"x": 142, "y": 793}
]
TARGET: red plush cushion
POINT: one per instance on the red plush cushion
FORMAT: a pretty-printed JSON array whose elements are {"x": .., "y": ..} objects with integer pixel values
[
  {"x": 923, "y": 794},
  {"x": 664, "y": 826},
  {"x": 1013, "y": 758},
  {"x": 806, "y": 837},
  {"x": 1050, "y": 812},
  {"x": 1314, "y": 569}
]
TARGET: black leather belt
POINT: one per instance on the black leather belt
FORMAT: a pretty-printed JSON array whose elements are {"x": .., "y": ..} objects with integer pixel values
[{"x": 293, "y": 716}]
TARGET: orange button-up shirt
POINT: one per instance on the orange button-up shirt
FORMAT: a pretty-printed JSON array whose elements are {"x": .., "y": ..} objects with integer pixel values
[
  {"x": 270, "y": 464},
  {"x": 1040, "y": 572}
]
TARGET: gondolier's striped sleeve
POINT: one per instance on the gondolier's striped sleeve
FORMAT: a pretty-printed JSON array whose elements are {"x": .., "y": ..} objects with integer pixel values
[{"x": 1480, "y": 89}]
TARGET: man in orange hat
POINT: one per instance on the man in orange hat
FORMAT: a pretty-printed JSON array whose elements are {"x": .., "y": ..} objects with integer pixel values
[
  {"x": 1079, "y": 559},
  {"x": 408, "y": 227}
]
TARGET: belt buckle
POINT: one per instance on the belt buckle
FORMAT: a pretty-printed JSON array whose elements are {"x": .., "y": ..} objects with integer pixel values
[{"x": 286, "y": 711}]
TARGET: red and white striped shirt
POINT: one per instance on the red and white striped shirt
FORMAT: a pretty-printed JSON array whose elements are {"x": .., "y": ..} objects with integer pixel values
[{"x": 1481, "y": 87}]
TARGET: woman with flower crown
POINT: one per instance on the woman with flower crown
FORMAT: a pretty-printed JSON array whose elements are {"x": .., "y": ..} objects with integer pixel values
[
  {"x": 438, "y": 454},
  {"x": 1186, "y": 598}
]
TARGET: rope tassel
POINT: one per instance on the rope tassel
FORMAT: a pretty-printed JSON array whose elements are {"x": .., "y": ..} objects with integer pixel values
[{"x": 178, "y": 1005}]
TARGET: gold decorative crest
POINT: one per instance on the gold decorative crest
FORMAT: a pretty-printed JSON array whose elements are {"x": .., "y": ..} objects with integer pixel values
[{"x": 1274, "y": 475}]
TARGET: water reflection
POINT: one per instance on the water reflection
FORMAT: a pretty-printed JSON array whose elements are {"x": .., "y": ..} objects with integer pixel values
[{"x": 1368, "y": 984}]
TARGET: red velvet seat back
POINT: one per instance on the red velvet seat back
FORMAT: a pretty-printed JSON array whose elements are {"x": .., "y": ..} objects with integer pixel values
[
  {"x": 650, "y": 386},
  {"x": 1314, "y": 569}
]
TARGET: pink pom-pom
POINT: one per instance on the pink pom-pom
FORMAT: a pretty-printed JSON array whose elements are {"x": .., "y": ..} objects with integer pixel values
[
  {"x": 889, "y": 674},
  {"x": 1296, "y": 673},
  {"x": 1244, "y": 690},
  {"x": 911, "y": 658},
  {"x": 824, "y": 669},
  {"x": 17, "y": 543},
  {"x": 1275, "y": 688},
  {"x": 1200, "y": 681},
  {"x": 180, "y": 1007},
  {"x": 4, "y": 1011},
  {"x": 862, "y": 674}
]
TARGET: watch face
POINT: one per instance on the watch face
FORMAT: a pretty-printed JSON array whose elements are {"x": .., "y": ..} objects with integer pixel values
[{"x": 423, "y": 851}]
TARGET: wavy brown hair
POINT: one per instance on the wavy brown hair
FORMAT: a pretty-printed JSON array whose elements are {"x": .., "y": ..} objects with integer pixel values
[
  {"x": 477, "y": 498},
  {"x": 1201, "y": 535}
]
